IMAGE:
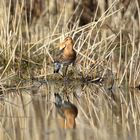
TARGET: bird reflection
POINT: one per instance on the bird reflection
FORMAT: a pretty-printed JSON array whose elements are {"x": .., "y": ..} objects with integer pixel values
[{"x": 67, "y": 111}]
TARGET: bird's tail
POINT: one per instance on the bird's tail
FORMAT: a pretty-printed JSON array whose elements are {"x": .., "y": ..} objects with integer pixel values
[{"x": 57, "y": 66}]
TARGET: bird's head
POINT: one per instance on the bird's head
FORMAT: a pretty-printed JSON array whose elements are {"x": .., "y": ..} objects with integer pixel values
[{"x": 68, "y": 42}]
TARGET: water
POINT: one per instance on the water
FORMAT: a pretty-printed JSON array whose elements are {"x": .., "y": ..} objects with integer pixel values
[{"x": 29, "y": 112}]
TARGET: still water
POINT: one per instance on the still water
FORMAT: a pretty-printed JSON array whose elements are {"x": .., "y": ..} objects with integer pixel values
[{"x": 29, "y": 113}]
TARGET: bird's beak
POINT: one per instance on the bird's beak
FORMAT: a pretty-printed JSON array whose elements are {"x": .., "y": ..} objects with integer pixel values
[{"x": 62, "y": 46}]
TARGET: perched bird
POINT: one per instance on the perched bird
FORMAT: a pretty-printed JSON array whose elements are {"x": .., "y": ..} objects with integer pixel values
[
  {"x": 66, "y": 56},
  {"x": 67, "y": 111}
]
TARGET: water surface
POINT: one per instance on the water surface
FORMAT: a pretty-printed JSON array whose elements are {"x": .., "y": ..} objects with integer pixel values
[{"x": 29, "y": 112}]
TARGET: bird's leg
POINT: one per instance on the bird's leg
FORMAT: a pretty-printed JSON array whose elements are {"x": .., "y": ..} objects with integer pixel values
[
  {"x": 66, "y": 70},
  {"x": 65, "y": 74},
  {"x": 68, "y": 98}
]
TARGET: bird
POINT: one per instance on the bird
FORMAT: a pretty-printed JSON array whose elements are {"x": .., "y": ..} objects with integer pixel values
[
  {"x": 66, "y": 56},
  {"x": 67, "y": 111}
]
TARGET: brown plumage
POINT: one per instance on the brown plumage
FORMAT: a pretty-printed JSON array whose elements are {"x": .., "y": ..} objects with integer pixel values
[
  {"x": 67, "y": 111},
  {"x": 66, "y": 56}
]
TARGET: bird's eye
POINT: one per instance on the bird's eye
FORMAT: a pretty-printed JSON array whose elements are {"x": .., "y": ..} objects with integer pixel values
[{"x": 67, "y": 38}]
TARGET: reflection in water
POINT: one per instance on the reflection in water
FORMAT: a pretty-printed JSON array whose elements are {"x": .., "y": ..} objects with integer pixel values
[
  {"x": 102, "y": 114},
  {"x": 67, "y": 111}
]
